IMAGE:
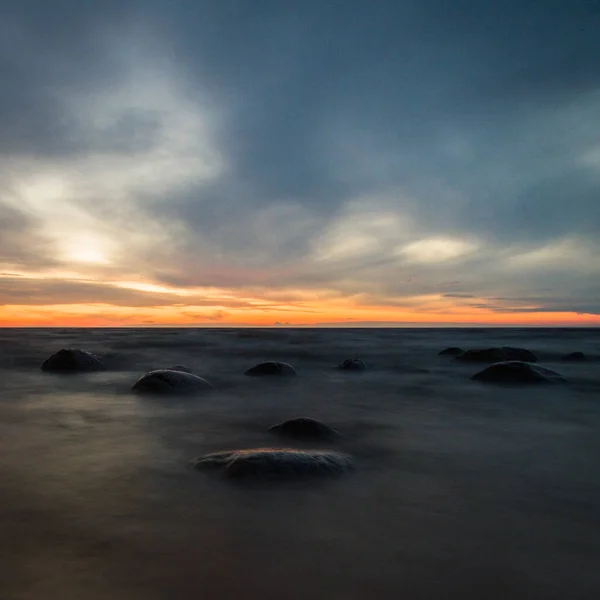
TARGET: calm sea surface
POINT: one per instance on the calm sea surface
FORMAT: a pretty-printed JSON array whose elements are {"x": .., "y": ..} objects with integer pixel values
[{"x": 462, "y": 490}]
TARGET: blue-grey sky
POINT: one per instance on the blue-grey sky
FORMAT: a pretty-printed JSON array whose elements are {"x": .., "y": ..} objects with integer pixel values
[{"x": 377, "y": 152}]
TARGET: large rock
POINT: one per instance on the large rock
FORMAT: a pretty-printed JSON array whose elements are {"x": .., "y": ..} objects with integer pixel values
[
  {"x": 452, "y": 351},
  {"x": 72, "y": 360},
  {"x": 277, "y": 463},
  {"x": 305, "y": 428},
  {"x": 500, "y": 354},
  {"x": 574, "y": 357},
  {"x": 353, "y": 364},
  {"x": 271, "y": 367},
  {"x": 167, "y": 381},
  {"x": 515, "y": 371}
]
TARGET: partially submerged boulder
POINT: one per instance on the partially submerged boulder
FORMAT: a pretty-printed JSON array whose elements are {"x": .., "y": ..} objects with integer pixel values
[
  {"x": 305, "y": 428},
  {"x": 452, "y": 351},
  {"x": 500, "y": 354},
  {"x": 72, "y": 360},
  {"x": 574, "y": 357},
  {"x": 271, "y": 367},
  {"x": 515, "y": 371},
  {"x": 277, "y": 463},
  {"x": 167, "y": 381},
  {"x": 353, "y": 364}
]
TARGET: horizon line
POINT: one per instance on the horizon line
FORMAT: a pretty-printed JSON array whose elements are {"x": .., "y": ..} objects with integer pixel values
[{"x": 311, "y": 326}]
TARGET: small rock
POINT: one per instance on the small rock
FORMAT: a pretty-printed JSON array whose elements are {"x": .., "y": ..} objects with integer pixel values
[
  {"x": 167, "y": 381},
  {"x": 277, "y": 463},
  {"x": 515, "y": 371},
  {"x": 353, "y": 364},
  {"x": 452, "y": 351},
  {"x": 271, "y": 368},
  {"x": 574, "y": 357},
  {"x": 501, "y": 354},
  {"x": 72, "y": 360},
  {"x": 305, "y": 428}
]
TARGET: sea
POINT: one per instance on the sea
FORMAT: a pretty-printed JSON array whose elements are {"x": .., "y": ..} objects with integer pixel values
[{"x": 462, "y": 490}]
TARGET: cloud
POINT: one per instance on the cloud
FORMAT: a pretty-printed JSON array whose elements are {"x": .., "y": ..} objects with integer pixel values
[
  {"x": 21, "y": 242},
  {"x": 416, "y": 152},
  {"x": 24, "y": 291}
]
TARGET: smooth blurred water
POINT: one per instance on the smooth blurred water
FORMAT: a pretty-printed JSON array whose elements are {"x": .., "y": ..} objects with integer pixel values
[{"x": 462, "y": 490}]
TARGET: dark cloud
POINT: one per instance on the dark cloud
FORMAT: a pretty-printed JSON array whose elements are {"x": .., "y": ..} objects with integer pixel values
[
  {"x": 458, "y": 296},
  {"x": 474, "y": 119},
  {"x": 472, "y": 112}
]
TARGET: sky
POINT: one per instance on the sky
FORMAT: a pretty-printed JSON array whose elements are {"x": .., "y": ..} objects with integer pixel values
[{"x": 274, "y": 162}]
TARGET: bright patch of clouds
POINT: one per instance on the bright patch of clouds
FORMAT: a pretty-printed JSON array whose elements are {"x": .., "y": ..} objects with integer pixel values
[
  {"x": 436, "y": 250},
  {"x": 75, "y": 196},
  {"x": 568, "y": 252},
  {"x": 366, "y": 227}
]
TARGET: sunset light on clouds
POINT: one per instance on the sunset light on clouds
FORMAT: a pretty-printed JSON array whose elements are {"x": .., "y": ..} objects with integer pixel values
[{"x": 273, "y": 163}]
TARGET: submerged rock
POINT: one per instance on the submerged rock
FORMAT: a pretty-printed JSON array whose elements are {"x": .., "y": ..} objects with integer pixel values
[
  {"x": 168, "y": 381},
  {"x": 305, "y": 428},
  {"x": 271, "y": 367},
  {"x": 574, "y": 357},
  {"x": 72, "y": 360},
  {"x": 277, "y": 463},
  {"x": 353, "y": 364},
  {"x": 452, "y": 351},
  {"x": 515, "y": 371},
  {"x": 500, "y": 354}
]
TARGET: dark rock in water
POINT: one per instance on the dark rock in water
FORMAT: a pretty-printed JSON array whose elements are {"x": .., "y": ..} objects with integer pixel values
[
  {"x": 179, "y": 368},
  {"x": 271, "y": 368},
  {"x": 277, "y": 463},
  {"x": 501, "y": 354},
  {"x": 515, "y": 371},
  {"x": 574, "y": 357},
  {"x": 167, "y": 381},
  {"x": 452, "y": 351},
  {"x": 353, "y": 364},
  {"x": 72, "y": 360},
  {"x": 305, "y": 428}
]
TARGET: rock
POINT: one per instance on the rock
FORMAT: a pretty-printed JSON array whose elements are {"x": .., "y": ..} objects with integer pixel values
[
  {"x": 353, "y": 364},
  {"x": 452, "y": 351},
  {"x": 305, "y": 428},
  {"x": 574, "y": 357},
  {"x": 515, "y": 371},
  {"x": 501, "y": 354},
  {"x": 277, "y": 463},
  {"x": 271, "y": 368},
  {"x": 72, "y": 360},
  {"x": 167, "y": 381}
]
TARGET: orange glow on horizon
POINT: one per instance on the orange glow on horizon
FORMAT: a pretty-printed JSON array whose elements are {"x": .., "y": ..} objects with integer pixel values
[
  {"x": 156, "y": 304},
  {"x": 108, "y": 315}
]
